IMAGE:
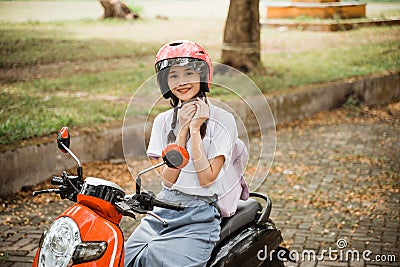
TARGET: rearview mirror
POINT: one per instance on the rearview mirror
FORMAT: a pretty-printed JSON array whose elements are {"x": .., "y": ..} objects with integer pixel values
[
  {"x": 63, "y": 138},
  {"x": 175, "y": 156}
]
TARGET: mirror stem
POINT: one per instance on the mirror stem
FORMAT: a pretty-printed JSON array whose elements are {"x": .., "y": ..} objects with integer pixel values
[
  {"x": 72, "y": 154},
  {"x": 139, "y": 181},
  {"x": 138, "y": 185},
  {"x": 79, "y": 171}
]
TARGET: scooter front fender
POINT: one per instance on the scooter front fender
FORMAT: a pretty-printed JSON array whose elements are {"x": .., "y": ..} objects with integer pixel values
[{"x": 93, "y": 227}]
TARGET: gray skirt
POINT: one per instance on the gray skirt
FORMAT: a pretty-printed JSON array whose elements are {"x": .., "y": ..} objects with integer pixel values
[{"x": 187, "y": 241}]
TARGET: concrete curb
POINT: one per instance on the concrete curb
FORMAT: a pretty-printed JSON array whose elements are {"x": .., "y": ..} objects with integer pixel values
[
  {"x": 326, "y": 26},
  {"x": 43, "y": 160},
  {"x": 303, "y": 102}
]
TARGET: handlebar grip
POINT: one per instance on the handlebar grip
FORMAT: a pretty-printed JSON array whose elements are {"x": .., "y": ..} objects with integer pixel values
[
  {"x": 167, "y": 205},
  {"x": 45, "y": 191},
  {"x": 57, "y": 180}
]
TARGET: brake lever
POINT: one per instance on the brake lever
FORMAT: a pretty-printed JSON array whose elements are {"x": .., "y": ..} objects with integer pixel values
[
  {"x": 142, "y": 202},
  {"x": 164, "y": 222},
  {"x": 125, "y": 209},
  {"x": 68, "y": 178},
  {"x": 45, "y": 191},
  {"x": 132, "y": 206},
  {"x": 136, "y": 205}
]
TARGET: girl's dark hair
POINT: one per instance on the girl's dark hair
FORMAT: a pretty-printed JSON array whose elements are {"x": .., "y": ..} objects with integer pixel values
[{"x": 174, "y": 101}]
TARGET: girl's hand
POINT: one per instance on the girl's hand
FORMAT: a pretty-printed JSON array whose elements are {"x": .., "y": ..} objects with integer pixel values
[
  {"x": 201, "y": 115},
  {"x": 185, "y": 115}
]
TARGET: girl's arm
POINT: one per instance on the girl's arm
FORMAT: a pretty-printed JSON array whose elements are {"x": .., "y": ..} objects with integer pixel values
[
  {"x": 207, "y": 170},
  {"x": 170, "y": 175}
]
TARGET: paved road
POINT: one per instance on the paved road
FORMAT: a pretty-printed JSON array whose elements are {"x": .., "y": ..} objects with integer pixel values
[{"x": 333, "y": 179}]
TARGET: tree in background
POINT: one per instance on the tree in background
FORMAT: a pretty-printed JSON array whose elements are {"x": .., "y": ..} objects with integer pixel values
[
  {"x": 117, "y": 9},
  {"x": 241, "y": 47}
]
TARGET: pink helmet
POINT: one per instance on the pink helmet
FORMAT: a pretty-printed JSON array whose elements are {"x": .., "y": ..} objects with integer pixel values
[{"x": 183, "y": 53}]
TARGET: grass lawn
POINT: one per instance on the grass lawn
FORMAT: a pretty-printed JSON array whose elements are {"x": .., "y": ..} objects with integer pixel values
[{"x": 83, "y": 72}]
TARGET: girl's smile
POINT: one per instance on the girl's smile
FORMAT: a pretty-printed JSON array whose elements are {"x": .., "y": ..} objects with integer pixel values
[{"x": 183, "y": 89}]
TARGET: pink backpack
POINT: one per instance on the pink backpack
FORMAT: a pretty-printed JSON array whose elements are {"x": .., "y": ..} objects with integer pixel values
[{"x": 236, "y": 186}]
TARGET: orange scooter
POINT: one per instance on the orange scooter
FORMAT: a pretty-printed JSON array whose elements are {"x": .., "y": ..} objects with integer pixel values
[{"x": 74, "y": 237}]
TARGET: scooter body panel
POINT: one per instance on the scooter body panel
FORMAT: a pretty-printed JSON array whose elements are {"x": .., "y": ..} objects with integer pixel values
[{"x": 94, "y": 228}]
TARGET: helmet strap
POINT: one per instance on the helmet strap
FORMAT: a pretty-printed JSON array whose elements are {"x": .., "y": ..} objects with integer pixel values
[{"x": 171, "y": 135}]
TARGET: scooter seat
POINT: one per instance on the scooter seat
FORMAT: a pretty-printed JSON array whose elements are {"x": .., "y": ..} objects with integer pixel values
[{"x": 245, "y": 214}]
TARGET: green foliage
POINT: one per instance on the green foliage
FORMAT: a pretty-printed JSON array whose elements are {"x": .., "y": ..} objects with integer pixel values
[
  {"x": 352, "y": 105},
  {"x": 39, "y": 106},
  {"x": 24, "y": 116},
  {"x": 27, "y": 45},
  {"x": 286, "y": 70},
  {"x": 135, "y": 8}
]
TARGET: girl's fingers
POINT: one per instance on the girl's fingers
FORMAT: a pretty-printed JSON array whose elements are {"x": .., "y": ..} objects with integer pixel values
[
  {"x": 187, "y": 109},
  {"x": 203, "y": 107},
  {"x": 202, "y": 110},
  {"x": 186, "y": 114}
]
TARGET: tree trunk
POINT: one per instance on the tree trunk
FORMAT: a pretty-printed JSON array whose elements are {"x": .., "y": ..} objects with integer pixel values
[
  {"x": 241, "y": 48},
  {"x": 117, "y": 9}
]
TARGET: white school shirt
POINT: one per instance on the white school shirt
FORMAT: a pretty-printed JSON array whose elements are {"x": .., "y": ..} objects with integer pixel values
[{"x": 219, "y": 140}]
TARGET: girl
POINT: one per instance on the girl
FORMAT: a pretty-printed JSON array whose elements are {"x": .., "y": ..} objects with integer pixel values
[{"x": 184, "y": 73}]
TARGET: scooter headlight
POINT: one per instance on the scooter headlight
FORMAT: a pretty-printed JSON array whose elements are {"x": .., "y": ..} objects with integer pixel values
[{"x": 59, "y": 243}]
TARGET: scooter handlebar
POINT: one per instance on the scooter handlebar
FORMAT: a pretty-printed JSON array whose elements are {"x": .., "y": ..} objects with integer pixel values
[
  {"x": 57, "y": 180},
  {"x": 167, "y": 205},
  {"x": 46, "y": 191}
]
